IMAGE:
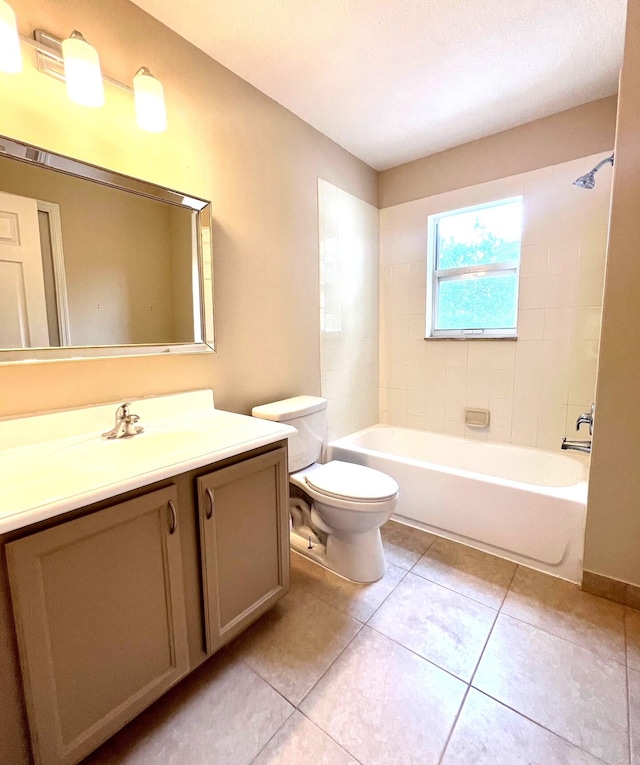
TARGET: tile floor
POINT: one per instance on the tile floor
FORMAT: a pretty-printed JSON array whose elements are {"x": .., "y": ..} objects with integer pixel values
[{"x": 454, "y": 658}]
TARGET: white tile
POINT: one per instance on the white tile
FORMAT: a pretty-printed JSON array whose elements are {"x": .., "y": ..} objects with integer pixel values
[
  {"x": 563, "y": 255},
  {"x": 503, "y": 354},
  {"x": 416, "y": 422},
  {"x": 417, "y": 403},
  {"x": 533, "y": 261},
  {"x": 501, "y": 410},
  {"x": 531, "y": 324},
  {"x": 529, "y": 355},
  {"x": 477, "y": 387},
  {"x": 558, "y": 323},
  {"x": 457, "y": 353},
  {"x": 523, "y": 436},
  {"x": 499, "y": 434},
  {"x": 501, "y": 383},
  {"x": 588, "y": 320},
  {"x": 560, "y": 291},
  {"x": 479, "y": 355},
  {"x": 532, "y": 293}
]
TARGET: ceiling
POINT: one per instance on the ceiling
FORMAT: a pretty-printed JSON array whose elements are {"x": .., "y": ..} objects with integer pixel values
[{"x": 394, "y": 80}]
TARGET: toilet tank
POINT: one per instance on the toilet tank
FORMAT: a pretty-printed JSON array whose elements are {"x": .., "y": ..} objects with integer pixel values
[{"x": 308, "y": 415}]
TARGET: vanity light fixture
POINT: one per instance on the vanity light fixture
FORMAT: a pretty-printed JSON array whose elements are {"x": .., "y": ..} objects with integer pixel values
[
  {"x": 76, "y": 62},
  {"x": 151, "y": 114},
  {"x": 82, "y": 71},
  {"x": 10, "y": 56}
]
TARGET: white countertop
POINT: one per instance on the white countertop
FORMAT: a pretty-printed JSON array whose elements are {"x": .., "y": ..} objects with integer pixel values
[{"x": 53, "y": 463}]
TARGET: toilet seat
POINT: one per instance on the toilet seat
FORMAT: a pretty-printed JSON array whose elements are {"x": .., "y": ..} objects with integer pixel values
[{"x": 354, "y": 483}]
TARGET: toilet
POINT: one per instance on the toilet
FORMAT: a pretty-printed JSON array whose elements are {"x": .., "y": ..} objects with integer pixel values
[{"x": 336, "y": 509}]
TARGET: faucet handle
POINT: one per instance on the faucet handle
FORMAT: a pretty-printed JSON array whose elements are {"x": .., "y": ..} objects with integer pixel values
[{"x": 586, "y": 418}]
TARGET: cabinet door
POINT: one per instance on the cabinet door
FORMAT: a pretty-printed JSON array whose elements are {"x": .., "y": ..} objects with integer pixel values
[
  {"x": 244, "y": 538},
  {"x": 99, "y": 610}
]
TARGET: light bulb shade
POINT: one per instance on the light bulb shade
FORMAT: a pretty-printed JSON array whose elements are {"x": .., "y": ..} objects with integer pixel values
[
  {"x": 10, "y": 55},
  {"x": 151, "y": 114},
  {"x": 82, "y": 71}
]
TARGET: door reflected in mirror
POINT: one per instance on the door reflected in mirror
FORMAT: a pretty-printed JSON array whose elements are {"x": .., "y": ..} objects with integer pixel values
[{"x": 97, "y": 261}]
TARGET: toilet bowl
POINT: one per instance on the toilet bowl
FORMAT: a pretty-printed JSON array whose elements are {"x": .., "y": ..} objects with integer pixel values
[{"x": 337, "y": 508}]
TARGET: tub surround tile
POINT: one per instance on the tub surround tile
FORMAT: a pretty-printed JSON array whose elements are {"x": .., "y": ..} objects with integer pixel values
[
  {"x": 632, "y": 620},
  {"x": 292, "y": 645},
  {"x": 566, "y": 688},
  {"x": 403, "y": 545},
  {"x": 634, "y": 715},
  {"x": 384, "y": 704},
  {"x": 222, "y": 713},
  {"x": 299, "y": 740},
  {"x": 466, "y": 570},
  {"x": 561, "y": 608},
  {"x": 447, "y": 628},
  {"x": 488, "y": 733},
  {"x": 357, "y": 600}
]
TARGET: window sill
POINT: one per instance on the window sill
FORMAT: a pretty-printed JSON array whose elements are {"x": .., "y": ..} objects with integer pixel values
[{"x": 473, "y": 337}]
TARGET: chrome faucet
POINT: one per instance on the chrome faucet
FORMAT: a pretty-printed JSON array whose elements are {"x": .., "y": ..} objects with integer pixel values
[
  {"x": 586, "y": 418},
  {"x": 125, "y": 424}
]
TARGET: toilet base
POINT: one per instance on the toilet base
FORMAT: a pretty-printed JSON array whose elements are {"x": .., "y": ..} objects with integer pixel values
[{"x": 358, "y": 557}]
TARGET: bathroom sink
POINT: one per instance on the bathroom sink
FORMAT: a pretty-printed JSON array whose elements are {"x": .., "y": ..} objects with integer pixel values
[{"x": 102, "y": 455}]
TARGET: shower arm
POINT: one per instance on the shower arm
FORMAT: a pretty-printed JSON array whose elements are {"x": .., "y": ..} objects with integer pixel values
[{"x": 602, "y": 163}]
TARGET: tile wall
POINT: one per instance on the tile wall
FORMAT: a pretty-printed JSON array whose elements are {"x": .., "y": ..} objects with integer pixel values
[
  {"x": 349, "y": 309},
  {"x": 536, "y": 386}
]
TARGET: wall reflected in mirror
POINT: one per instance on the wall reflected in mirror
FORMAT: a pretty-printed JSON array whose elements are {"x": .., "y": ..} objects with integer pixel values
[{"x": 83, "y": 263}]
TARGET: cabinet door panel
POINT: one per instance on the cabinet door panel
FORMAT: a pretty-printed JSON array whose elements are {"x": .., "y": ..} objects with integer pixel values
[
  {"x": 244, "y": 527},
  {"x": 99, "y": 609}
]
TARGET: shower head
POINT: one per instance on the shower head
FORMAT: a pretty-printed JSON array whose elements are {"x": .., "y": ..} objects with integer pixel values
[{"x": 588, "y": 180}]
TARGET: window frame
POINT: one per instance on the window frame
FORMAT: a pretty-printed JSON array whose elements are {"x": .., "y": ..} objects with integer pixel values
[{"x": 436, "y": 276}]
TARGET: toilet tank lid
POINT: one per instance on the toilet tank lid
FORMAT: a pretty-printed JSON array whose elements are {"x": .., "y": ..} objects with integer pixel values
[{"x": 288, "y": 408}]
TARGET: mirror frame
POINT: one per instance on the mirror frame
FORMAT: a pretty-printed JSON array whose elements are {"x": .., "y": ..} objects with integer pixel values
[{"x": 205, "y": 343}]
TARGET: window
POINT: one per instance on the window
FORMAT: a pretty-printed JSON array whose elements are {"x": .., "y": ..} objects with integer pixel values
[{"x": 474, "y": 259}]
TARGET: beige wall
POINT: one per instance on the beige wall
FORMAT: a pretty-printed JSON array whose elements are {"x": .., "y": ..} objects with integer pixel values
[
  {"x": 578, "y": 132},
  {"x": 226, "y": 142},
  {"x": 534, "y": 387},
  {"x": 613, "y": 520}
]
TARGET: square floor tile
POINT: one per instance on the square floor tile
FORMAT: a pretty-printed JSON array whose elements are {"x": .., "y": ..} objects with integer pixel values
[
  {"x": 357, "y": 600},
  {"x": 403, "y": 545},
  {"x": 560, "y": 685},
  {"x": 299, "y": 741},
  {"x": 468, "y": 571},
  {"x": 292, "y": 645},
  {"x": 561, "y": 608},
  {"x": 488, "y": 733},
  {"x": 222, "y": 713},
  {"x": 632, "y": 618},
  {"x": 634, "y": 715},
  {"x": 439, "y": 624},
  {"x": 384, "y": 704}
]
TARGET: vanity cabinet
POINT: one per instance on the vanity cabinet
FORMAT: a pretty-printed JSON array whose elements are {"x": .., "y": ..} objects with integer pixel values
[
  {"x": 100, "y": 620},
  {"x": 113, "y": 603},
  {"x": 242, "y": 538}
]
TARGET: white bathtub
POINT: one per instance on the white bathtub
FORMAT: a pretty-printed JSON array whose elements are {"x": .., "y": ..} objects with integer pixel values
[{"x": 523, "y": 504}]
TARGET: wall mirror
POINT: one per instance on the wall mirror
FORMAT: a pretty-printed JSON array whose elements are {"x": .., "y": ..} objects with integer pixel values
[{"x": 94, "y": 263}]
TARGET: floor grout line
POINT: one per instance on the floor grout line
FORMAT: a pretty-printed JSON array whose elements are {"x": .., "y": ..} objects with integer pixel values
[
  {"x": 538, "y": 724},
  {"x": 455, "y": 723}
]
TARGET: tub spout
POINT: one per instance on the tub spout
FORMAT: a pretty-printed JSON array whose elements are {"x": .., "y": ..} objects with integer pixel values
[{"x": 576, "y": 446}]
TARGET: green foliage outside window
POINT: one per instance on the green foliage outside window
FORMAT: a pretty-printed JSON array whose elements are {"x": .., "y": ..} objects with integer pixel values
[{"x": 485, "y": 299}]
